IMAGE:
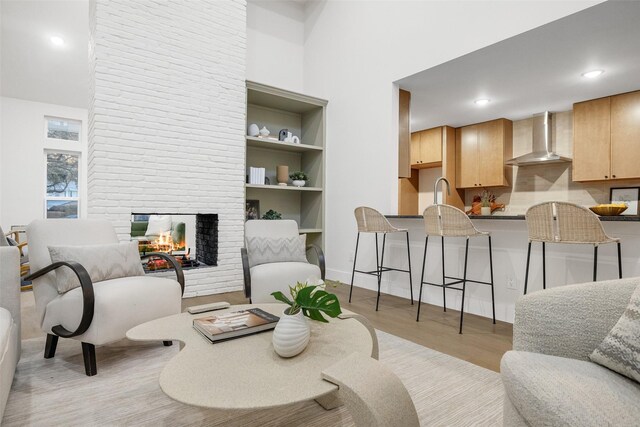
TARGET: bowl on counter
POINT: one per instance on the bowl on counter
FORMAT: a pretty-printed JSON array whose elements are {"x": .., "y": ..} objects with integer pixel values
[{"x": 608, "y": 210}]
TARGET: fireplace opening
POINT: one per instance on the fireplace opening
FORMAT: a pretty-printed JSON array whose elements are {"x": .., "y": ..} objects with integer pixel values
[{"x": 192, "y": 239}]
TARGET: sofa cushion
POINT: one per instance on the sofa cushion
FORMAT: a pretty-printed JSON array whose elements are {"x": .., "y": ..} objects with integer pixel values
[
  {"x": 552, "y": 390},
  {"x": 102, "y": 262},
  {"x": 264, "y": 250},
  {"x": 620, "y": 349},
  {"x": 278, "y": 276},
  {"x": 120, "y": 304}
]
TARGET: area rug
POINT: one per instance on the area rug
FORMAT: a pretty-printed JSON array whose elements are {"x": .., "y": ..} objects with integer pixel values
[{"x": 446, "y": 391}]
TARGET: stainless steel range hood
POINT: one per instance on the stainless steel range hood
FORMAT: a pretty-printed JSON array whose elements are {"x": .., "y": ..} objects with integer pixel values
[{"x": 542, "y": 144}]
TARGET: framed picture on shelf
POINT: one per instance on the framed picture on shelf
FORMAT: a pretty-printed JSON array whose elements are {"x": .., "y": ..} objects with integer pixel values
[
  {"x": 252, "y": 209},
  {"x": 628, "y": 195}
]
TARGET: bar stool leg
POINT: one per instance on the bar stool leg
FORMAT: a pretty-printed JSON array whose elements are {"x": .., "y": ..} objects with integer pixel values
[
  {"x": 444, "y": 288},
  {"x": 424, "y": 261},
  {"x": 377, "y": 272},
  {"x": 410, "y": 278},
  {"x": 464, "y": 283},
  {"x": 384, "y": 240},
  {"x": 619, "y": 261},
  {"x": 526, "y": 271},
  {"x": 493, "y": 301},
  {"x": 353, "y": 273},
  {"x": 595, "y": 262},
  {"x": 544, "y": 267}
]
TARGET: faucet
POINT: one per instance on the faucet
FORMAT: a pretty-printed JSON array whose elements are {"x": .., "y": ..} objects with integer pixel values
[{"x": 435, "y": 189}]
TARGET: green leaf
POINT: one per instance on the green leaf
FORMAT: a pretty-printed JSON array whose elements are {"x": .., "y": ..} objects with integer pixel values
[
  {"x": 316, "y": 302},
  {"x": 280, "y": 297}
]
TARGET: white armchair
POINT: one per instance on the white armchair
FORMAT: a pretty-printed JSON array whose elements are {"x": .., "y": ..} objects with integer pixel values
[
  {"x": 9, "y": 317},
  {"x": 261, "y": 280},
  {"x": 93, "y": 313}
]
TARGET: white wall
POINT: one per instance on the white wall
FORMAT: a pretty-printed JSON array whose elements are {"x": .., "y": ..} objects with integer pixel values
[
  {"x": 353, "y": 53},
  {"x": 23, "y": 166},
  {"x": 275, "y": 43}
]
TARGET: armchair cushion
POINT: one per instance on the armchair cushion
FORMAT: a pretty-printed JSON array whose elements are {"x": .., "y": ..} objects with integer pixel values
[
  {"x": 278, "y": 276},
  {"x": 120, "y": 304},
  {"x": 102, "y": 262},
  {"x": 552, "y": 390},
  {"x": 264, "y": 250},
  {"x": 620, "y": 349}
]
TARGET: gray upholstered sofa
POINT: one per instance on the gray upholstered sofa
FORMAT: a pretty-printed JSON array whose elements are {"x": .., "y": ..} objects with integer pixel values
[
  {"x": 548, "y": 378},
  {"x": 9, "y": 318}
]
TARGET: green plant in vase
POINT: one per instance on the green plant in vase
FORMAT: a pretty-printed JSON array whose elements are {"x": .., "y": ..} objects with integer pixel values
[
  {"x": 271, "y": 214},
  {"x": 312, "y": 300},
  {"x": 299, "y": 179}
]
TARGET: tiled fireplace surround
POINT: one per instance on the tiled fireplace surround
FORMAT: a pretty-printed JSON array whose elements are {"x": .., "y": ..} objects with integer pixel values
[{"x": 166, "y": 120}]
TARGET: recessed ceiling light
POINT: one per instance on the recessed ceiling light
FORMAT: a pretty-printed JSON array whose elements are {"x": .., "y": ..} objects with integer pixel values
[
  {"x": 592, "y": 74},
  {"x": 481, "y": 101},
  {"x": 57, "y": 40}
]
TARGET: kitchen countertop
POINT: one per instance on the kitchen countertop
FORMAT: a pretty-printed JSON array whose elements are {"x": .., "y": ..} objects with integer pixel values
[{"x": 630, "y": 218}]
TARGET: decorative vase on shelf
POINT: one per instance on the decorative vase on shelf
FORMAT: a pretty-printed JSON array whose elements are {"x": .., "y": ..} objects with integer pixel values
[
  {"x": 485, "y": 210},
  {"x": 282, "y": 174},
  {"x": 264, "y": 132},
  {"x": 298, "y": 182},
  {"x": 253, "y": 130},
  {"x": 291, "y": 335}
]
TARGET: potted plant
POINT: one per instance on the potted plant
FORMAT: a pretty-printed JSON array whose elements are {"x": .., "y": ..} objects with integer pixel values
[
  {"x": 485, "y": 202},
  {"x": 271, "y": 214},
  {"x": 292, "y": 332},
  {"x": 299, "y": 179}
]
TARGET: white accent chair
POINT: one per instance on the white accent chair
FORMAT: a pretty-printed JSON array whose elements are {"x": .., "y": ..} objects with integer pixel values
[
  {"x": 94, "y": 313},
  {"x": 9, "y": 317},
  {"x": 261, "y": 280}
]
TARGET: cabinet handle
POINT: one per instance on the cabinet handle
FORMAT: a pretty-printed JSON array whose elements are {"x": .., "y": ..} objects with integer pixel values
[
  {"x": 606, "y": 176},
  {"x": 613, "y": 176}
]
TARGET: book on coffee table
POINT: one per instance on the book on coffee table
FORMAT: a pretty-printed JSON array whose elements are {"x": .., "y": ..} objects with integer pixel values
[{"x": 227, "y": 326}]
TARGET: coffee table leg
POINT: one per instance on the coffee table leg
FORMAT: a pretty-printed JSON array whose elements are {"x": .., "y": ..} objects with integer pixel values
[{"x": 329, "y": 401}]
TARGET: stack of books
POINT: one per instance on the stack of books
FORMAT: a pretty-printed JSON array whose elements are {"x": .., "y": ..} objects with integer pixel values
[
  {"x": 236, "y": 324},
  {"x": 256, "y": 175}
]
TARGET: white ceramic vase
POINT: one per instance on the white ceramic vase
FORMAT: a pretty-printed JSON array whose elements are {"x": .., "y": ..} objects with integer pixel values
[
  {"x": 253, "y": 130},
  {"x": 298, "y": 182},
  {"x": 291, "y": 335},
  {"x": 485, "y": 210}
]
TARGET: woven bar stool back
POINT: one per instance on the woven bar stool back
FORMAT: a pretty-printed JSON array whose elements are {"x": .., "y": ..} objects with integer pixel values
[
  {"x": 371, "y": 221},
  {"x": 539, "y": 220},
  {"x": 577, "y": 224},
  {"x": 448, "y": 221}
]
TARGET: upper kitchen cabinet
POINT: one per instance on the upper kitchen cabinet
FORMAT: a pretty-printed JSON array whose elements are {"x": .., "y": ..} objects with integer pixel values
[
  {"x": 606, "y": 135},
  {"x": 481, "y": 152},
  {"x": 426, "y": 148}
]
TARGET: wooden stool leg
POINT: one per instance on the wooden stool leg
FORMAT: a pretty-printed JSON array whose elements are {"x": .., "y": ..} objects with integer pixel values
[
  {"x": 464, "y": 283},
  {"x": 424, "y": 262},
  {"x": 353, "y": 273}
]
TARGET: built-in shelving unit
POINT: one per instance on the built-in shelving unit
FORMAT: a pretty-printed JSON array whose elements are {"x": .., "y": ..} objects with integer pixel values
[{"x": 304, "y": 116}]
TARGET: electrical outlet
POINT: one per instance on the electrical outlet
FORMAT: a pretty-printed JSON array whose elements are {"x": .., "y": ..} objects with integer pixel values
[{"x": 512, "y": 283}]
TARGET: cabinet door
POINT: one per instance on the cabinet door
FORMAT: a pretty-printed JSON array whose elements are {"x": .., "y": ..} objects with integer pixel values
[
  {"x": 625, "y": 135},
  {"x": 491, "y": 140},
  {"x": 592, "y": 140},
  {"x": 415, "y": 148},
  {"x": 431, "y": 145},
  {"x": 467, "y": 157}
]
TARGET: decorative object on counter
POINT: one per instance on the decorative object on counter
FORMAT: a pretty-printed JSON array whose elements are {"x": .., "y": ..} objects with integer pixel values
[
  {"x": 264, "y": 132},
  {"x": 628, "y": 196},
  {"x": 292, "y": 333},
  {"x": 480, "y": 200},
  {"x": 253, "y": 130},
  {"x": 282, "y": 174},
  {"x": 611, "y": 209},
  {"x": 271, "y": 214},
  {"x": 282, "y": 135},
  {"x": 252, "y": 209},
  {"x": 299, "y": 179}
]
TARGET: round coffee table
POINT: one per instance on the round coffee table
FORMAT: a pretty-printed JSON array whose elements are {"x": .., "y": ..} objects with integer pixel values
[{"x": 246, "y": 373}]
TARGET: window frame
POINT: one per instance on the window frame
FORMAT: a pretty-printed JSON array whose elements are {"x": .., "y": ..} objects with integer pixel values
[
  {"x": 48, "y": 198},
  {"x": 57, "y": 140}
]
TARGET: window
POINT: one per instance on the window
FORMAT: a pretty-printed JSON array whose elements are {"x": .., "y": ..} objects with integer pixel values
[
  {"x": 62, "y": 196},
  {"x": 64, "y": 129}
]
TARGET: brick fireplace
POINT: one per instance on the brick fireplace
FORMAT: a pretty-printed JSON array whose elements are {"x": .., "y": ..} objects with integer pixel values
[{"x": 166, "y": 121}]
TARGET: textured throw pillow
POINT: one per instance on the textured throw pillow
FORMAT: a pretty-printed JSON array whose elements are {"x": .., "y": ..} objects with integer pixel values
[
  {"x": 264, "y": 250},
  {"x": 620, "y": 350},
  {"x": 102, "y": 262},
  {"x": 158, "y": 224}
]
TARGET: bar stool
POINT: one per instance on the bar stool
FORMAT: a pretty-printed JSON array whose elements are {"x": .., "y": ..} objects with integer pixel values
[
  {"x": 563, "y": 222},
  {"x": 449, "y": 221},
  {"x": 371, "y": 221}
]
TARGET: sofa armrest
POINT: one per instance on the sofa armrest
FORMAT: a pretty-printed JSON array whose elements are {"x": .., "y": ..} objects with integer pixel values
[
  {"x": 570, "y": 321},
  {"x": 10, "y": 281},
  {"x": 320, "y": 258}
]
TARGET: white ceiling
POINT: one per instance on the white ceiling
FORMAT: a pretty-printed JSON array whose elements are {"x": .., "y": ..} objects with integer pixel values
[
  {"x": 535, "y": 71},
  {"x": 32, "y": 68}
]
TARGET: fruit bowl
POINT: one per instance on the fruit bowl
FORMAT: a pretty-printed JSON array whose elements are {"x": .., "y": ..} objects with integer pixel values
[{"x": 609, "y": 210}]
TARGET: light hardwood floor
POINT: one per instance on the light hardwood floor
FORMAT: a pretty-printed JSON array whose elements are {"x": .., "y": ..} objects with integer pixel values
[{"x": 482, "y": 343}]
